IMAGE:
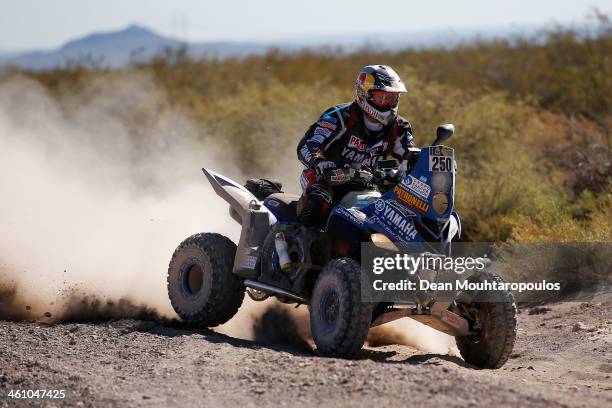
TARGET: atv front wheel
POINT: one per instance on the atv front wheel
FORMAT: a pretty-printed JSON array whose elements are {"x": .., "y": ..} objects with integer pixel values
[
  {"x": 338, "y": 319},
  {"x": 201, "y": 285},
  {"x": 492, "y": 317}
]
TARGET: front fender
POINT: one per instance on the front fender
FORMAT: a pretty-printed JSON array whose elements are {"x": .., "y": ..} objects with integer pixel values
[{"x": 454, "y": 228}]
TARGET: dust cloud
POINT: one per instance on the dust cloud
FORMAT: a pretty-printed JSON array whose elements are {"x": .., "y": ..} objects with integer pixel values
[
  {"x": 97, "y": 188},
  {"x": 411, "y": 333},
  {"x": 271, "y": 322}
]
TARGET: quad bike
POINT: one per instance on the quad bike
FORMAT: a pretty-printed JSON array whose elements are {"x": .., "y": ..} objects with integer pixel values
[{"x": 411, "y": 202}]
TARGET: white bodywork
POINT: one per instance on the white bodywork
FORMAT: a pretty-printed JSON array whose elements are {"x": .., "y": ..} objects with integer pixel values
[{"x": 238, "y": 197}]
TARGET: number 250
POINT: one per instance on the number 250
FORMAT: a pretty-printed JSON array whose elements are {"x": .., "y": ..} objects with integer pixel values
[{"x": 439, "y": 163}]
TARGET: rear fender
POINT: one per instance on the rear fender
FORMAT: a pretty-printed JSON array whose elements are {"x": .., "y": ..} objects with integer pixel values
[{"x": 238, "y": 197}]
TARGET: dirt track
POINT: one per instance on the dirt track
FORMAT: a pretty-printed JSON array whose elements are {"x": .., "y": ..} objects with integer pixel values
[{"x": 142, "y": 363}]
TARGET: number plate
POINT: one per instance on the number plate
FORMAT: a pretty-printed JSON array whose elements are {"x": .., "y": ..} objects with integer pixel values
[{"x": 441, "y": 158}]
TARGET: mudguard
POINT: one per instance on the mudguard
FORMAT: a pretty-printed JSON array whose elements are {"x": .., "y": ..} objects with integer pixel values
[
  {"x": 238, "y": 197},
  {"x": 455, "y": 227}
]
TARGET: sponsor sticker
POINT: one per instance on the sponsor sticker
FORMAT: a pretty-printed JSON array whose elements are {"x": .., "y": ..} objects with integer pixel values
[
  {"x": 357, "y": 143},
  {"x": 377, "y": 150},
  {"x": 352, "y": 214},
  {"x": 352, "y": 155},
  {"x": 416, "y": 186},
  {"x": 322, "y": 131},
  {"x": 361, "y": 217},
  {"x": 395, "y": 215},
  {"x": 411, "y": 200},
  {"x": 327, "y": 124},
  {"x": 249, "y": 262},
  {"x": 401, "y": 223},
  {"x": 318, "y": 138},
  {"x": 441, "y": 151},
  {"x": 305, "y": 153},
  {"x": 338, "y": 175},
  {"x": 371, "y": 112},
  {"x": 440, "y": 158},
  {"x": 405, "y": 211}
]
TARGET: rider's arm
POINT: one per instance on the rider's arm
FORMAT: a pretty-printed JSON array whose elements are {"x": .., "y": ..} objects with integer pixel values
[
  {"x": 321, "y": 134},
  {"x": 404, "y": 141}
]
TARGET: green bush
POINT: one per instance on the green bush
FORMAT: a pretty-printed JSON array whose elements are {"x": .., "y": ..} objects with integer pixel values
[{"x": 533, "y": 119}]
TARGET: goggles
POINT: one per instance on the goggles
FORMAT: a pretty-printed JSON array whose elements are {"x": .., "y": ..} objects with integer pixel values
[{"x": 383, "y": 99}]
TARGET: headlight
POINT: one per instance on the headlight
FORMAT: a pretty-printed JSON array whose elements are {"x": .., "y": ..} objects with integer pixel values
[
  {"x": 441, "y": 181},
  {"x": 440, "y": 203}
]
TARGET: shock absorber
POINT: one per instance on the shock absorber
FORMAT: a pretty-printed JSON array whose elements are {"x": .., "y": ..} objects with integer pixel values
[{"x": 282, "y": 251}]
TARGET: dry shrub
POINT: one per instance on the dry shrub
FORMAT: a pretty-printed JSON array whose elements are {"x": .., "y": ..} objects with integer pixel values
[{"x": 532, "y": 115}]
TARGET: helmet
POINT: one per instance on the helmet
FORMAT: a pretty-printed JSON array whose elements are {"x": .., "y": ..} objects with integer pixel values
[{"x": 377, "y": 92}]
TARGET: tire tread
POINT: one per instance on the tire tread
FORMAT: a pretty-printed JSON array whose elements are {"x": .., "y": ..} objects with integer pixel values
[
  {"x": 226, "y": 292},
  {"x": 356, "y": 323},
  {"x": 503, "y": 319}
]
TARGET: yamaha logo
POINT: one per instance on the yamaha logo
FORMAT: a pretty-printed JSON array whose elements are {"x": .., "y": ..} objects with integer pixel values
[{"x": 379, "y": 205}]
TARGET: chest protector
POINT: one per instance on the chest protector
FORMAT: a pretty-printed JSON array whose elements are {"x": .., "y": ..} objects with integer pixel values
[{"x": 359, "y": 146}]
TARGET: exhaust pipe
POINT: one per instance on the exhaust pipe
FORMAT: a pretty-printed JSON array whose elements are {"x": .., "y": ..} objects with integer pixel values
[{"x": 274, "y": 291}]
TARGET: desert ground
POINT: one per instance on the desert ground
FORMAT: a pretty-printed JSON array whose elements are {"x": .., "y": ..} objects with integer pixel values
[{"x": 562, "y": 357}]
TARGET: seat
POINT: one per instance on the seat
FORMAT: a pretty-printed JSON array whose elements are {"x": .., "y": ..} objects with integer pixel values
[{"x": 283, "y": 205}]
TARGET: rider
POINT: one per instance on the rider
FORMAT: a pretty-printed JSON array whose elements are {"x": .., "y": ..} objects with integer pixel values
[{"x": 352, "y": 135}]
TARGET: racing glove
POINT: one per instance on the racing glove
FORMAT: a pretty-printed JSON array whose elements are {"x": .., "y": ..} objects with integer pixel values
[{"x": 323, "y": 165}]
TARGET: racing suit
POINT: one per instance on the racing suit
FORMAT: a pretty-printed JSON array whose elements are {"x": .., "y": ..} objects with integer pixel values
[{"x": 341, "y": 136}]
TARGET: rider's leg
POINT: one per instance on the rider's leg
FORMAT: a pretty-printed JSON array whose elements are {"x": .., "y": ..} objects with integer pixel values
[{"x": 315, "y": 202}]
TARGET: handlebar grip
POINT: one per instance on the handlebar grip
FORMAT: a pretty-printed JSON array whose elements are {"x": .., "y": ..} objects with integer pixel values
[{"x": 340, "y": 176}]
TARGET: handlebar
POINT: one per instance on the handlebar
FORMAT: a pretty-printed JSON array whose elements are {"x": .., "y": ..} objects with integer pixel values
[
  {"x": 341, "y": 176},
  {"x": 386, "y": 174},
  {"x": 381, "y": 179}
]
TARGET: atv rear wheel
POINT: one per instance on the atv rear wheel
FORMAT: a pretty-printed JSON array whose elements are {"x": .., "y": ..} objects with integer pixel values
[
  {"x": 338, "y": 319},
  {"x": 201, "y": 285},
  {"x": 492, "y": 316}
]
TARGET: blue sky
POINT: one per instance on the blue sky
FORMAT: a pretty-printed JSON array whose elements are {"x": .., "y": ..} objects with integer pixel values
[{"x": 32, "y": 24}]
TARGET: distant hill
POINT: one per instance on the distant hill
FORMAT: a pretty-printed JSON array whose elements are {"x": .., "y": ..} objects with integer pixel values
[
  {"x": 139, "y": 44},
  {"x": 119, "y": 48}
]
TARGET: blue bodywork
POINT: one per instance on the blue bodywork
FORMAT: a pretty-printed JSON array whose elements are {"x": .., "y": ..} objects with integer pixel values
[{"x": 418, "y": 209}]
